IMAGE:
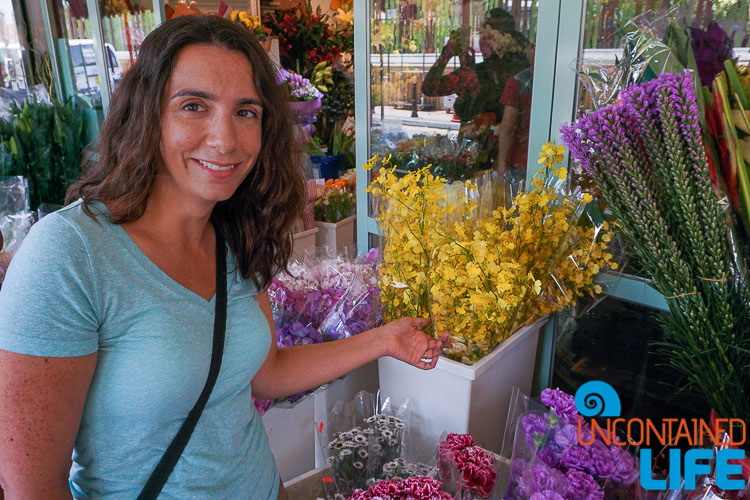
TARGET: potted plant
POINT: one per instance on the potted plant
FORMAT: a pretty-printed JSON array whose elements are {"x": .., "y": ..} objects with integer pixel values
[
  {"x": 335, "y": 218},
  {"x": 489, "y": 276}
]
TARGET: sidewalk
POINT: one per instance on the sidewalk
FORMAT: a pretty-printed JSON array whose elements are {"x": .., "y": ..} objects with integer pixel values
[{"x": 430, "y": 122}]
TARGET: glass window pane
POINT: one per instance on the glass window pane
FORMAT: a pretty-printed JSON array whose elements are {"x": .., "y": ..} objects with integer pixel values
[
  {"x": 124, "y": 29},
  {"x": 12, "y": 71},
  {"x": 445, "y": 75}
]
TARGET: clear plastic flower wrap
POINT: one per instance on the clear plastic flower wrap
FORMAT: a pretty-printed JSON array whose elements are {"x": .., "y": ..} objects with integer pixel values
[
  {"x": 358, "y": 309},
  {"x": 467, "y": 471},
  {"x": 647, "y": 52},
  {"x": 362, "y": 441},
  {"x": 15, "y": 218}
]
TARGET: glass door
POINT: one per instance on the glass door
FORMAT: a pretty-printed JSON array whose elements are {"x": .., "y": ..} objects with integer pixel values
[{"x": 450, "y": 84}]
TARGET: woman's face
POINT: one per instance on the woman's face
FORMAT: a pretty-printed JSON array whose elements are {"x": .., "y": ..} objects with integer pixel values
[{"x": 211, "y": 126}]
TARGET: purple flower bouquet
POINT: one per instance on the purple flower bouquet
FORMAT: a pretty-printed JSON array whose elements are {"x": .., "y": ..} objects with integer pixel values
[
  {"x": 324, "y": 299},
  {"x": 550, "y": 463}
]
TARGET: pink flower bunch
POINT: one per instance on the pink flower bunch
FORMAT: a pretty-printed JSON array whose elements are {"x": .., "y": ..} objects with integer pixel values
[
  {"x": 476, "y": 466},
  {"x": 411, "y": 488}
]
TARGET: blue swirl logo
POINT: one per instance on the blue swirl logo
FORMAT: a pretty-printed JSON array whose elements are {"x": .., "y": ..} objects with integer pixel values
[{"x": 598, "y": 399}]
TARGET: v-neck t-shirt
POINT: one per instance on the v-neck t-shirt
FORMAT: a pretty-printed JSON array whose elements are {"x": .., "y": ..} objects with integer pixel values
[{"x": 80, "y": 285}]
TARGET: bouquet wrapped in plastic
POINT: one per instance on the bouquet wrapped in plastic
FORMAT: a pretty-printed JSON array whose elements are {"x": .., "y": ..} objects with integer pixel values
[
  {"x": 325, "y": 298},
  {"x": 551, "y": 461},
  {"x": 484, "y": 277},
  {"x": 363, "y": 441},
  {"x": 466, "y": 469},
  {"x": 15, "y": 218}
]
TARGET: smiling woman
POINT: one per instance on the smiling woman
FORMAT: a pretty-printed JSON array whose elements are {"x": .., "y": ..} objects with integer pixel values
[{"x": 197, "y": 150}]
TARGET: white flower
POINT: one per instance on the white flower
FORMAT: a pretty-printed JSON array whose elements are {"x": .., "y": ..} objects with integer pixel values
[
  {"x": 345, "y": 452},
  {"x": 358, "y": 465},
  {"x": 362, "y": 453}
]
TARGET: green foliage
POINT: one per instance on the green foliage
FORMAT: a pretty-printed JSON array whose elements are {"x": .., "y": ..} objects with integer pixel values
[
  {"x": 336, "y": 104},
  {"x": 42, "y": 142},
  {"x": 334, "y": 206}
]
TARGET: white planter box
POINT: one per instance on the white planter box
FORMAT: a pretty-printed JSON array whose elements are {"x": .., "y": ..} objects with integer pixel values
[
  {"x": 291, "y": 435},
  {"x": 454, "y": 397},
  {"x": 337, "y": 235},
  {"x": 303, "y": 241}
]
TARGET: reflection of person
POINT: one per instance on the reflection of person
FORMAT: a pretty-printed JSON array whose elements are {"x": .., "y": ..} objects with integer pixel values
[
  {"x": 513, "y": 133},
  {"x": 107, "y": 310},
  {"x": 479, "y": 86}
]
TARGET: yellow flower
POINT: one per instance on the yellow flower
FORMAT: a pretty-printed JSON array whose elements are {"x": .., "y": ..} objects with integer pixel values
[
  {"x": 247, "y": 22},
  {"x": 346, "y": 16},
  {"x": 587, "y": 198},
  {"x": 234, "y": 15},
  {"x": 242, "y": 15}
]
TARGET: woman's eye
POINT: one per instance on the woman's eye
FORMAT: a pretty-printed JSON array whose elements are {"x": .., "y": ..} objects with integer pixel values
[
  {"x": 191, "y": 106},
  {"x": 247, "y": 113}
]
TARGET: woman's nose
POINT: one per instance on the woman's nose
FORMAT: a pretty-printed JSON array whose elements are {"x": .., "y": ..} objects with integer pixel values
[{"x": 222, "y": 135}]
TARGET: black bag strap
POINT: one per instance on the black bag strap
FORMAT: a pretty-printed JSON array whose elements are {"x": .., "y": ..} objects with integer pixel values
[{"x": 162, "y": 471}]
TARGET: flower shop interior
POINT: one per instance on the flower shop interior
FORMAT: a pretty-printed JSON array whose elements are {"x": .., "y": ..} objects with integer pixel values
[{"x": 561, "y": 185}]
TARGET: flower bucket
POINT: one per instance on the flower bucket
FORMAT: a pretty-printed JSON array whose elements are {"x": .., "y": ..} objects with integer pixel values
[
  {"x": 464, "y": 399},
  {"x": 303, "y": 241},
  {"x": 336, "y": 235},
  {"x": 291, "y": 436}
]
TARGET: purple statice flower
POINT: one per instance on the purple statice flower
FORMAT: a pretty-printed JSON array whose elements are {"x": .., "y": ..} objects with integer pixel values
[
  {"x": 562, "y": 403},
  {"x": 582, "y": 486},
  {"x": 711, "y": 48},
  {"x": 297, "y": 333},
  {"x": 626, "y": 468},
  {"x": 576, "y": 457}
]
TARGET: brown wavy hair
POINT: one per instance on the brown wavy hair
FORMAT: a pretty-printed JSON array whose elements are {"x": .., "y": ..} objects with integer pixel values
[{"x": 257, "y": 220}]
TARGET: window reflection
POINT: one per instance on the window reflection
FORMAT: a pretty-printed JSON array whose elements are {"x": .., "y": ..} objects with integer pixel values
[{"x": 439, "y": 72}]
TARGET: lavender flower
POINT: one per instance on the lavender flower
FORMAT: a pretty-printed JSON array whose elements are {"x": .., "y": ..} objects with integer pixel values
[
  {"x": 546, "y": 495},
  {"x": 576, "y": 457},
  {"x": 626, "y": 468},
  {"x": 562, "y": 404},
  {"x": 582, "y": 486},
  {"x": 711, "y": 48}
]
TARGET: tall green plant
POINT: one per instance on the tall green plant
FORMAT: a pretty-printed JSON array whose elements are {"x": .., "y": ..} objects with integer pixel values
[{"x": 42, "y": 142}]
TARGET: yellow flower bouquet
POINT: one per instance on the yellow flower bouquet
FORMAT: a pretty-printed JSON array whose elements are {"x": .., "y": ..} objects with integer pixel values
[{"x": 482, "y": 274}]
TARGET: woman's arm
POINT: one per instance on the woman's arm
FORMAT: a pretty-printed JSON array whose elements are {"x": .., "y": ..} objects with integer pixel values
[
  {"x": 41, "y": 403},
  {"x": 300, "y": 368}
]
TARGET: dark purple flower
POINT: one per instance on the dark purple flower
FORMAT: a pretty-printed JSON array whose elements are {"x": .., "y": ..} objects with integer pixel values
[
  {"x": 711, "y": 48},
  {"x": 550, "y": 455},
  {"x": 603, "y": 464},
  {"x": 576, "y": 457},
  {"x": 625, "y": 465},
  {"x": 540, "y": 477},
  {"x": 546, "y": 495},
  {"x": 562, "y": 403},
  {"x": 582, "y": 486},
  {"x": 536, "y": 427},
  {"x": 566, "y": 435}
]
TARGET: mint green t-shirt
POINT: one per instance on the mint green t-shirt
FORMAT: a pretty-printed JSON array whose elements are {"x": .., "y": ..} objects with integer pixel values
[{"x": 77, "y": 286}]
